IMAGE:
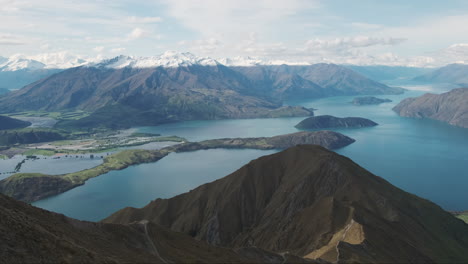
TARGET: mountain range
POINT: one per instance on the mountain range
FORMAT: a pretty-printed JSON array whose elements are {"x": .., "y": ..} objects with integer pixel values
[
  {"x": 390, "y": 73},
  {"x": 450, "y": 74},
  {"x": 174, "y": 87}
]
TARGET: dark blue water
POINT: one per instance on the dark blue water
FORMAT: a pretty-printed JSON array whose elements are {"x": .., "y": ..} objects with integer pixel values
[
  {"x": 138, "y": 185},
  {"x": 424, "y": 157}
]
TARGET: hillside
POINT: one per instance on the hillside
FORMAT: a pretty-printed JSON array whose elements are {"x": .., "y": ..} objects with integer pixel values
[
  {"x": 450, "y": 107},
  {"x": 32, "y": 235},
  {"x": 312, "y": 202},
  {"x": 327, "y": 121},
  {"x": 30, "y": 135},
  {"x": 12, "y": 123},
  {"x": 452, "y": 73}
]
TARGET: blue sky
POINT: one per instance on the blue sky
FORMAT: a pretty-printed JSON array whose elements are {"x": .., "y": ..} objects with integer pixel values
[{"x": 416, "y": 32}]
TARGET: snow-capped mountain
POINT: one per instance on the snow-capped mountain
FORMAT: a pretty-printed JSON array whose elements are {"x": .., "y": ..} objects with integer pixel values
[
  {"x": 168, "y": 59},
  {"x": 59, "y": 60},
  {"x": 16, "y": 63},
  {"x": 253, "y": 61}
]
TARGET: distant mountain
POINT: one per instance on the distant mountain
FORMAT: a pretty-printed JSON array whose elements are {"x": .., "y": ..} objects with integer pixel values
[
  {"x": 32, "y": 235},
  {"x": 12, "y": 123},
  {"x": 327, "y": 121},
  {"x": 18, "y": 70},
  {"x": 389, "y": 73},
  {"x": 20, "y": 78},
  {"x": 450, "y": 107},
  {"x": 127, "y": 91},
  {"x": 311, "y": 202},
  {"x": 312, "y": 81},
  {"x": 4, "y": 91},
  {"x": 452, "y": 73}
]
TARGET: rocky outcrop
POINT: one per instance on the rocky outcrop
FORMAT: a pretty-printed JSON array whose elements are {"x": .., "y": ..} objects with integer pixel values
[
  {"x": 450, "y": 107},
  {"x": 327, "y": 121},
  {"x": 312, "y": 202},
  {"x": 369, "y": 100}
]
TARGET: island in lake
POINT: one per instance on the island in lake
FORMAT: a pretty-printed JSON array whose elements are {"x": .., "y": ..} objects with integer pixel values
[
  {"x": 369, "y": 100},
  {"x": 328, "y": 121}
]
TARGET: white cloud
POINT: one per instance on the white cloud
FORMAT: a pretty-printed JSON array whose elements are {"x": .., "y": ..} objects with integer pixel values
[
  {"x": 99, "y": 49},
  {"x": 351, "y": 42},
  {"x": 211, "y": 17},
  {"x": 137, "y": 33},
  {"x": 143, "y": 20},
  {"x": 117, "y": 50},
  {"x": 10, "y": 39}
]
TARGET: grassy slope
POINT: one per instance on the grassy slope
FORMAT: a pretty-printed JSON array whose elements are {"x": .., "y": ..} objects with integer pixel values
[{"x": 464, "y": 217}]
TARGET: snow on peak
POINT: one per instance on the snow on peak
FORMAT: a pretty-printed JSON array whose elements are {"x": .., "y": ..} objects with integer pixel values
[
  {"x": 253, "y": 61},
  {"x": 59, "y": 60},
  {"x": 19, "y": 62},
  {"x": 167, "y": 59}
]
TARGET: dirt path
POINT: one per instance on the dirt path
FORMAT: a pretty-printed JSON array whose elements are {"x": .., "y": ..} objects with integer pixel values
[{"x": 150, "y": 241}]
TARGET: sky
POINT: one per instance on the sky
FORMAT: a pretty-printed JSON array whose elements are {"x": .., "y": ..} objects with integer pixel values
[{"x": 366, "y": 32}]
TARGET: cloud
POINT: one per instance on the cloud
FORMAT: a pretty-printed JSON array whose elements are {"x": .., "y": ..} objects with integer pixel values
[
  {"x": 13, "y": 40},
  {"x": 137, "y": 33},
  {"x": 351, "y": 42},
  {"x": 117, "y": 50},
  {"x": 143, "y": 20},
  {"x": 99, "y": 49},
  {"x": 202, "y": 46},
  {"x": 211, "y": 17}
]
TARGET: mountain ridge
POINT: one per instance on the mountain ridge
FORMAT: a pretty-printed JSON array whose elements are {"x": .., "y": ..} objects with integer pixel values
[
  {"x": 159, "y": 95},
  {"x": 313, "y": 203}
]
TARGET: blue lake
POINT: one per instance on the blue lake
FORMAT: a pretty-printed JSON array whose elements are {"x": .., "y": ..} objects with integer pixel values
[{"x": 424, "y": 157}]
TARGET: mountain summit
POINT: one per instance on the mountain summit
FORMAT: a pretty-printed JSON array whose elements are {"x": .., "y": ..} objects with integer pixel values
[{"x": 314, "y": 203}]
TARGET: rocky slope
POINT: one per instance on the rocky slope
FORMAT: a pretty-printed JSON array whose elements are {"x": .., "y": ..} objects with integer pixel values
[
  {"x": 12, "y": 123},
  {"x": 30, "y": 187},
  {"x": 369, "y": 100},
  {"x": 32, "y": 235},
  {"x": 450, "y": 107},
  {"x": 327, "y": 121},
  {"x": 314, "y": 203},
  {"x": 452, "y": 73}
]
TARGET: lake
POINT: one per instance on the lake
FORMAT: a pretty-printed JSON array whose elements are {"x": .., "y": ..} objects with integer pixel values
[{"x": 424, "y": 157}]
